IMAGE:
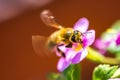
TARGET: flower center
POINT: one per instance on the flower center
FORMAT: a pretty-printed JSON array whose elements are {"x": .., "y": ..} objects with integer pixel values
[{"x": 77, "y": 47}]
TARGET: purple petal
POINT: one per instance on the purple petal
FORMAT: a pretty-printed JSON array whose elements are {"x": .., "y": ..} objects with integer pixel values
[
  {"x": 81, "y": 25},
  {"x": 62, "y": 64},
  {"x": 118, "y": 40},
  {"x": 57, "y": 53},
  {"x": 70, "y": 54},
  {"x": 80, "y": 56},
  {"x": 101, "y": 45},
  {"x": 88, "y": 38},
  {"x": 63, "y": 49}
]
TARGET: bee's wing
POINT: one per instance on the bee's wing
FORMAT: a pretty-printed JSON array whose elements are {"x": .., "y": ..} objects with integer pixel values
[
  {"x": 39, "y": 45},
  {"x": 48, "y": 18}
]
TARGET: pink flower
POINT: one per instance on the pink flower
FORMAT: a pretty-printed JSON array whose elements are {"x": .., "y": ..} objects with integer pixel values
[
  {"x": 78, "y": 51},
  {"x": 101, "y": 45},
  {"x": 111, "y": 42}
]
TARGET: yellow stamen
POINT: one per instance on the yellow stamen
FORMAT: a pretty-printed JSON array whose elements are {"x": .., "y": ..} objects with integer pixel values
[{"x": 78, "y": 47}]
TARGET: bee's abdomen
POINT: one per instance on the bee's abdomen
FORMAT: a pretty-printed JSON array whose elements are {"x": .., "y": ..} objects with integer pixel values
[
  {"x": 51, "y": 44},
  {"x": 52, "y": 40}
]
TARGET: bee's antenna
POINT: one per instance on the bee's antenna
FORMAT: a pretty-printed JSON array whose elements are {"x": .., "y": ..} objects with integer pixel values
[{"x": 86, "y": 33}]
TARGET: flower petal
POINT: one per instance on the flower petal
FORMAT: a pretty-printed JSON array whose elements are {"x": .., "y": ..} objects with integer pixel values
[
  {"x": 62, "y": 64},
  {"x": 101, "y": 45},
  {"x": 80, "y": 56},
  {"x": 81, "y": 25},
  {"x": 57, "y": 53},
  {"x": 62, "y": 48},
  {"x": 88, "y": 38},
  {"x": 118, "y": 40},
  {"x": 70, "y": 54}
]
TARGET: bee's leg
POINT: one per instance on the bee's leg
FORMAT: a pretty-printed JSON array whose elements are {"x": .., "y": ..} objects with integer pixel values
[
  {"x": 69, "y": 45},
  {"x": 81, "y": 43},
  {"x": 62, "y": 53}
]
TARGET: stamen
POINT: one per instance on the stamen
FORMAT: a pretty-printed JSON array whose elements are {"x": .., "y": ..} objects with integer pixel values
[{"x": 78, "y": 47}]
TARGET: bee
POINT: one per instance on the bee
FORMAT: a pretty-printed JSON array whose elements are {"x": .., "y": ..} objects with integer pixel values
[{"x": 63, "y": 36}]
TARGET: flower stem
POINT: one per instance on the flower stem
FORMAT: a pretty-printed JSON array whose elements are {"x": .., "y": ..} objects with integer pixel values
[{"x": 95, "y": 56}]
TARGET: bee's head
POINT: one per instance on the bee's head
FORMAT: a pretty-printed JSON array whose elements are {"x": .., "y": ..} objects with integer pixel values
[{"x": 76, "y": 37}]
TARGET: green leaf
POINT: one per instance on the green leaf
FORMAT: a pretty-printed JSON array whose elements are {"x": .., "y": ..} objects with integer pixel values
[
  {"x": 117, "y": 56},
  {"x": 103, "y": 72},
  {"x": 116, "y": 74},
  {"x": 72, "y": 72},
  {"x": 55, "y": 76}
]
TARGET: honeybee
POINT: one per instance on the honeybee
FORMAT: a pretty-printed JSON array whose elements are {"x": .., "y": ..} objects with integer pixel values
[{"x": 63, "y": 36}]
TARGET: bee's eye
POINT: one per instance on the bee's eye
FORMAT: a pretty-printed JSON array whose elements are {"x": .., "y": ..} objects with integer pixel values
[
  {"x": 76, "y": 32},
  {"x": 73, "y": 38}
]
